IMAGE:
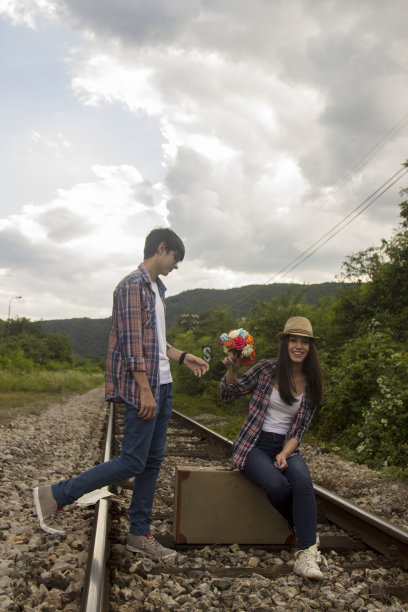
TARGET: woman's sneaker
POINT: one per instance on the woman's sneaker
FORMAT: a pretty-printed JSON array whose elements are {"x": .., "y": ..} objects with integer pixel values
[
  {"x": 306, "y": 563},
  {"x": 148, "y": 545},
  {"x": 47, "y": 510}
]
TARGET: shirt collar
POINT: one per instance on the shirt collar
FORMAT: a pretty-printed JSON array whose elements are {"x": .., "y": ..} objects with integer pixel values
[{"x": 146, "y": 277}]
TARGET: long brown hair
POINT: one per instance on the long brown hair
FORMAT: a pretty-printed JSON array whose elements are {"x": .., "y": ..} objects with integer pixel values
[{"x": 311, "y": 368}]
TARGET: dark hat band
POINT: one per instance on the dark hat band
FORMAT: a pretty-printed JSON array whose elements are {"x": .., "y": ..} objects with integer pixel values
[{"x": 298, "y": 332}]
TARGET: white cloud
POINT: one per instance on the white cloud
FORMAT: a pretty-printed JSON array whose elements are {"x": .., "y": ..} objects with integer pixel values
[
  {"x": 25, "y": 12},
  {"x": 275, "y": 123},
  {"x": 91, "y": 215},
  {"x": 102, "y": 78},
  {"x": 80, "y": 240}
]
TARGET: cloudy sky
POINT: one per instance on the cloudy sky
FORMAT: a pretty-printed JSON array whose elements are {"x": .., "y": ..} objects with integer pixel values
[{"x": 254, "y": 128}]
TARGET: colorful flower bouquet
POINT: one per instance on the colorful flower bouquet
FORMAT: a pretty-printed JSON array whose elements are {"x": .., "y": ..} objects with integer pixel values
[{"x": 240, "y": 343}]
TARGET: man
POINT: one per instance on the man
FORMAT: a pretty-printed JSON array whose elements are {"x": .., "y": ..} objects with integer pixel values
[{"x": 137, "y": 373}]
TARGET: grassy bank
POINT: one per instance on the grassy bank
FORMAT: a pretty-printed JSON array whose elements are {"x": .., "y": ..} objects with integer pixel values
[{"x": 31, "y": 392}]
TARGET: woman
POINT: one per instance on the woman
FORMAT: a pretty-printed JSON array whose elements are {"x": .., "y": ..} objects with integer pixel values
[{"x": 285, "y": 392}]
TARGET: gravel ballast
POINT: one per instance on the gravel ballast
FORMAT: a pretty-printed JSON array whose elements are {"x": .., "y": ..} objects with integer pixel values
[{"x": 43, "y": 572}]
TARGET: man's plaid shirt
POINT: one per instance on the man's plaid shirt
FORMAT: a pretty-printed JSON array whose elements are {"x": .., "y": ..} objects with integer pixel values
[
  {"x": 259, "y": 381},
  {"x": 133, "y": 342}
]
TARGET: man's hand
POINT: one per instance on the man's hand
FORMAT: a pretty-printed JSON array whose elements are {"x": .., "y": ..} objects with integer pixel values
[
  {"x": 148, "y": 406},
  {"x": 196, "y": 365}
]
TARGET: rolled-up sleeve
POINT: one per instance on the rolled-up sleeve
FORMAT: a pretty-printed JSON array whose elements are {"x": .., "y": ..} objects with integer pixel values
[{"x": 243, "y": 385}]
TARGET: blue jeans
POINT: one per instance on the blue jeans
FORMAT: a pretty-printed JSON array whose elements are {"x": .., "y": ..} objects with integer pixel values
[
  {"x": 142, "y": 454},
  {"x": 291, "y": 491}
]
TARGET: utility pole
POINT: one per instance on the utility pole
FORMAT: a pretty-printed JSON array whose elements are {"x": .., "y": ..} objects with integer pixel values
[{"x": 16, "y": 297}]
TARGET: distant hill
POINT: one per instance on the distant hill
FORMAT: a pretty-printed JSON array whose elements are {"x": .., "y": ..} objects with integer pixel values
[
  {"x": 87, "y": 336},
  {"x": 90, "y": 336},
  {"x": 241, "y": 299}
]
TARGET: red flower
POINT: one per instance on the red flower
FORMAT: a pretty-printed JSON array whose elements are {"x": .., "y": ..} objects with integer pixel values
[
  {"x": 238, "y": 343},
  {"x": 246, "y": 362}
]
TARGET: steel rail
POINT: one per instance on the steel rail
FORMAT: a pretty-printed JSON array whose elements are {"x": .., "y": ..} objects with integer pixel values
[
  {"x": 93, "y": 596},
  {"x": 377, "y": 533},
  {"x": 213, "y": 434}
]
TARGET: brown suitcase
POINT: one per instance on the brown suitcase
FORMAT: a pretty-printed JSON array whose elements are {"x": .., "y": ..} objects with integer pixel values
[{"x": 219, "y": 506}]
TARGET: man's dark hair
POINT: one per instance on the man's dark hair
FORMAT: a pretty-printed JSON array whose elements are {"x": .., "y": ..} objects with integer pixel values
[{"x": 170, "y": 238}]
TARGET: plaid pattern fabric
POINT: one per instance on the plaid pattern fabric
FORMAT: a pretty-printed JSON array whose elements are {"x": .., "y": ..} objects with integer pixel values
[
  {"x": 258, "y": 381},
  {"x": 133, "y": 342}
]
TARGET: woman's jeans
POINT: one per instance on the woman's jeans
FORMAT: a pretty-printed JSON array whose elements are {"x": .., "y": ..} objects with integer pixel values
[
  {"x": 142, "y": 454},
  {"x": 291, "y": 491}
]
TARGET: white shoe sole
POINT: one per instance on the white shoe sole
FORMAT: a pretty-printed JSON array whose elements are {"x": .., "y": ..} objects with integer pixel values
[
  {"x": 152, "y": 556},
  {"x": 43, "y": 525},
  {"x": 310, "y": 577}
]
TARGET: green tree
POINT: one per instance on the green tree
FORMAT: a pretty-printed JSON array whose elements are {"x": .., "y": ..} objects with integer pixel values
[
  {"x": 266, "y": 319},
  {"x": 27, "y": 345},
  {"x": 381, "y": 289}
]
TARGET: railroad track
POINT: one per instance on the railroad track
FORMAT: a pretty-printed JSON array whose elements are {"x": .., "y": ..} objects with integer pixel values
[{"x": 189, "y": 441}]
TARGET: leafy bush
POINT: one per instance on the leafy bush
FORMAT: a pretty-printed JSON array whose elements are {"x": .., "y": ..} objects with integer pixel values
[
  {"x": 383, "y": 435},
  {"x": 353, "y": 381},
  {"x": 366, "y": 403}
]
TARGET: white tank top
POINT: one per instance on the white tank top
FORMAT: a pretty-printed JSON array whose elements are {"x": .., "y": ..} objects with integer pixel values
[
  {"x": 164, "y": 364},
  {"x": 280, "y": 415}
]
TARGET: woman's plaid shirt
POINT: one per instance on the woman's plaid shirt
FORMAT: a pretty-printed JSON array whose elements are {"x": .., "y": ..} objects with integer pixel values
[
  {"x": 258, "y": 381},
  {"x": 133, "y": 342}
]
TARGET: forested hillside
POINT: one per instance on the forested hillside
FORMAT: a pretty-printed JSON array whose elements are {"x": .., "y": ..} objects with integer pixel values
[
  {"x": 90, "y": 336},
  {"x": 240, "y": 300}
]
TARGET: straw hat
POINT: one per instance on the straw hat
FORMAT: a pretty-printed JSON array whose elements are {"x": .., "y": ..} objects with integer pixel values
[{"x": 298, "y": 326}]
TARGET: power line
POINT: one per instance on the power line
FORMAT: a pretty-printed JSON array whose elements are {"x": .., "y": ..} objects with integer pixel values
[
  {"x": 345, "y": 225},
  {"x": 357, "y": 211},
  {"x": 400, "y": 173},
  {"x": 360, "y": 164}
]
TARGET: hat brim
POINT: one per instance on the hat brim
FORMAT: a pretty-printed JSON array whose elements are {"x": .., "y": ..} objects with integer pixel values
[{"x": 280, "y": 335}]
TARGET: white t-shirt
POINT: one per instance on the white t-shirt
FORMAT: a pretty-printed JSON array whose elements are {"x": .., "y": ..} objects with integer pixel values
[
  {"x": 164, "y": 364},
  {"x": 280, "y": 415}
]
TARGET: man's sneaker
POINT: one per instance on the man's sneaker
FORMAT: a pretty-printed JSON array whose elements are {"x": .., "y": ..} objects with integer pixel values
[
  {"x": 306, "y": 563},
  {"x": 148, "y": 545},
  {"x": 47, "y": 510}
]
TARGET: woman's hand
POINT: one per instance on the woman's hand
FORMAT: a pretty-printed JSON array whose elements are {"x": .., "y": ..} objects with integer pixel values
[
  {"x": 232, "y": 362},
  {"x": 280, "y": 461},
  {"x": 281, "y": 458}
]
